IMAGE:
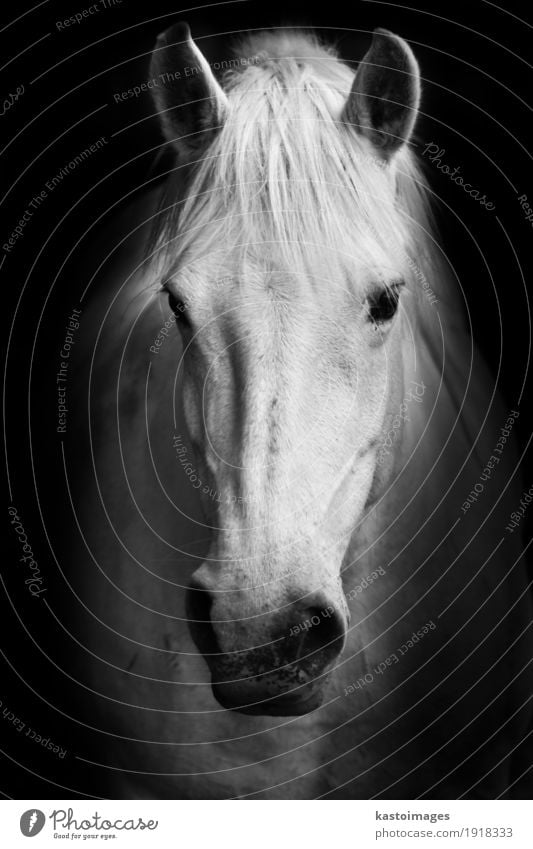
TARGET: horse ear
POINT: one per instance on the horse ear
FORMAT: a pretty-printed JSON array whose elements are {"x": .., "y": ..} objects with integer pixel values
[
  {"x": 383, "y": 102},
  {"x": 191, "y": 104}
]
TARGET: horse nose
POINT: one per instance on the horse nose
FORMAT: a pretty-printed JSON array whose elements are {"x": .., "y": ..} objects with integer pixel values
[
  {"x": 272, "y": 662},
  {"x": 318, "y": 629}
]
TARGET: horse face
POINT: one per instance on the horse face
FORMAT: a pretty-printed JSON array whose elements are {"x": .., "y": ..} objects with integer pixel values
[
  {"x": 286, "y": 384},
  {"x": 285, "y": 394}
]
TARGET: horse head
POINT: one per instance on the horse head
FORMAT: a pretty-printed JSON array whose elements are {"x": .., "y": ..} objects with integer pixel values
[{"x": 285, "y": 267}]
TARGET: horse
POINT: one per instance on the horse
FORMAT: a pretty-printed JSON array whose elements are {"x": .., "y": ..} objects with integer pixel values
[{"x": 293, "y": 469}]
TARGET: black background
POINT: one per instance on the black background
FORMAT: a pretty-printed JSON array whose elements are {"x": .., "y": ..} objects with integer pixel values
[{"x": 473, "y": 61}]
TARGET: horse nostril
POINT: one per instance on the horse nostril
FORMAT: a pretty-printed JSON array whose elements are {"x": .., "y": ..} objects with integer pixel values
[
  {"x": 198, "y": 604},
  {"x": 283, "y": 673},
  {"x": 320, "y": 633}
]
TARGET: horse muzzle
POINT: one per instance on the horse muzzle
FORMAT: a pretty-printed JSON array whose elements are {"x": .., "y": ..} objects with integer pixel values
[{"x": 274, "y": 663}]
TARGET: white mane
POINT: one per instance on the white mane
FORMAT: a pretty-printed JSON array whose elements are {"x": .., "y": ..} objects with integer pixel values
[{"x": 290, "y": 184}]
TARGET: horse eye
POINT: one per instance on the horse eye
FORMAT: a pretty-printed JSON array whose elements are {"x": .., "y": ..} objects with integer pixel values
[
  {"x": 179, "y": 309},
  {"x": 382, "y": 305}
]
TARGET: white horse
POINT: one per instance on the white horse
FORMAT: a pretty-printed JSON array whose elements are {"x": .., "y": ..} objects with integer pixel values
[{"x": 290, "y": 590}]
